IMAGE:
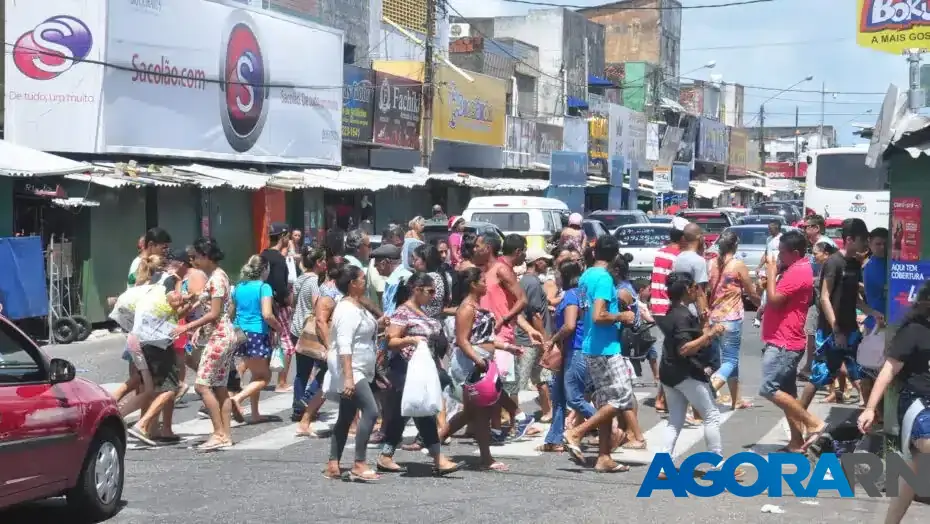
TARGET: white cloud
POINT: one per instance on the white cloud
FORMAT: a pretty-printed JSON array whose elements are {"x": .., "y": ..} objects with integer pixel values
[{"x": 841, "y": 65}]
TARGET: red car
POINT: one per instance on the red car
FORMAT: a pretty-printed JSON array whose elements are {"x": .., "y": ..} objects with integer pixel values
[
  {"x": 59, "y": 435},
  {"x": 712, "y": 222}
]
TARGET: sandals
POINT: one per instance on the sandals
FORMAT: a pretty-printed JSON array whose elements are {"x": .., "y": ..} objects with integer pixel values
[
  {"x": 813, "y": 437},
  {"x": 499, "y": 467},
  {"x": 550, "y": 448},
  {"x": 574, "y": 451},
  {"x": 442, "y": 472},
  {"x": 743, "y": 404},
  {"x": 216, "y": 446},
  {"x": 384, "y": 469},
  {"x": 366, "y": 476},
  {"x": 618, "y": 468},
  {"x": 630, "y": 444},
  {"x": 236, "y": 412}
]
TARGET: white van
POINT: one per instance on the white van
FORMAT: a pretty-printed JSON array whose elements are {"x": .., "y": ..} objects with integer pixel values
[{"x": 536, "y": 218}]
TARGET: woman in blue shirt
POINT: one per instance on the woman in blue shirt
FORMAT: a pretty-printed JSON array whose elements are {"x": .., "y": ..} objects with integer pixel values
[
  {"x": 567, "y": 386},
  {"x": 252, "y": 311}
]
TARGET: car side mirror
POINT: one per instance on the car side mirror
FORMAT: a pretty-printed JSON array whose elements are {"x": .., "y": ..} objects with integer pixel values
[{"x": 60, "y": 370}]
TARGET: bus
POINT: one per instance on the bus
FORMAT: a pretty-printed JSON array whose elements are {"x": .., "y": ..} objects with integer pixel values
[{"x": 840, "y": 185}]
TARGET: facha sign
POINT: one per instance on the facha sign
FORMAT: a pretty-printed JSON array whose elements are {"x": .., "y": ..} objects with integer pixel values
[
  {"x": 397, "y": 111},
  {"x": 893, "y": 26},
  {"x": 358, "y": 99}
]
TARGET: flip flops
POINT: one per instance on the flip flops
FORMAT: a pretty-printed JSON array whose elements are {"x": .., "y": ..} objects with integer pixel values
[
  {"x": 442, "y": 472},
  {"x": 618, "y": 468}
]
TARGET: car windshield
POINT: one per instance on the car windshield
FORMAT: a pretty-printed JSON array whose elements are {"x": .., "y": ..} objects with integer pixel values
[
  {"x": 751, "y": 236},
  {"x": 617, "y": 219},
  {"x": 661, "y": 219},
  {"x": 712, "y": 224},
  {"x": 761, "y": 219},
  {"x": 647, "y": 236},
  {"x": 505, "y": 221}
]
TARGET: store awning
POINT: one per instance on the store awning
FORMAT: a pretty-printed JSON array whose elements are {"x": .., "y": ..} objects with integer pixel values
[
  {"x": 492, "y": 184},
  {"x": 577, "y": 103},
  {"x": 709, "y": 189},
  {"x": 596, "y": 81},
  {"x": 114, "y": 176},
  {"x": 17, "y": 160},
  {"x": 359, "y": 179},
  {"x": 235, "y": 178}
]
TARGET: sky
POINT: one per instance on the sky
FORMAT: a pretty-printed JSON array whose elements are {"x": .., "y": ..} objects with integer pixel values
[{"x": 823, "y": 44}]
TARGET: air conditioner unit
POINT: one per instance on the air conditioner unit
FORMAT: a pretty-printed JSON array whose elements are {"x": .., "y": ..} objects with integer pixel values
[{"x": 459, "y": 30}]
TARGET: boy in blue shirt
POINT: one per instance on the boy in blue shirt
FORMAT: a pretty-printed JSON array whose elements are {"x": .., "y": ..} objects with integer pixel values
[{"x": 610, "y": 373}]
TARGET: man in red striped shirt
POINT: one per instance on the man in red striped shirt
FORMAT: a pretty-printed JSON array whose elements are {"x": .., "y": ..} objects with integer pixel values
[{"x": 662, "y": 268}]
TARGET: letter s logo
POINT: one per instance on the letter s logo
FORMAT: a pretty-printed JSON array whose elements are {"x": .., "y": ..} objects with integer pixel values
[{"x": 52, "y": 47}]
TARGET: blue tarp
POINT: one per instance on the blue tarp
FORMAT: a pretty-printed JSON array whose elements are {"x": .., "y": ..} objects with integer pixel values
[
  {"x": 23, "y": 290},
  {"x": 577, "y": 103},
  {"x": 596, "y": 81}
]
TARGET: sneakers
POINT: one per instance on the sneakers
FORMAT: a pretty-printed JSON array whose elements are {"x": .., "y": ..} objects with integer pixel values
[{"x": 522, "y": 426}]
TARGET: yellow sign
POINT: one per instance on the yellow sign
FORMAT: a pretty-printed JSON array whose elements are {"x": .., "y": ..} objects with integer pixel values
[
  {"x": 463, "y": 111},
  {"x": 893, "y": 26},
  {"x": 739, "y": 144},
  {"x": 597, "y": 139}
]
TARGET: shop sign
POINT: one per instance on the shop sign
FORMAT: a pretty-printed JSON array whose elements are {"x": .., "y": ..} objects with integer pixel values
[
  {"x": 618, "y": 130},
  {"x": 357, "y": 103},
  {"x": 548, "y": 139},
  {"x": 905, "y": 281},
  {"x": 905, "y": 228},
  {"x": 893, "y": 26},
  {"x": 202, "y": 80},
  {"x": 397, "y": 112},
  {"x": 568, "y": 169},
  {"x": 681, "y": 178},
  {"x": 662, "y": 179},
  {"x": 575, "y": 135},
  {"x": 713, "y": 144},
  {"x": 520, "y": 149},
  {"x": 785, "y": 170},
  {"x": 739, "y": 145},
  {"x": 689, "y": 133},
  {"x": 473, "y": 112},
  {"x": 597, "y": 141}
]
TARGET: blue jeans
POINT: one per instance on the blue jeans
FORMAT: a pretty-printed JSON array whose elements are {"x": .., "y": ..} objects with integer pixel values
[
  {"x": 728, "y": 346},
  {"x": 566, "y": 389}
]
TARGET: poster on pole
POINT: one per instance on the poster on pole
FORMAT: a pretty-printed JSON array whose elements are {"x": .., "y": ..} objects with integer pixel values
[
  {"x": 906, "y": 279},
  {"x": 905, "y": 228},
  {"x": 662, "y": 179}
]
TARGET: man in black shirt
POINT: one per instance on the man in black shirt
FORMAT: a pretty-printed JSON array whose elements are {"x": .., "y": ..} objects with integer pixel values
[
  {"x": 277, "y": 264},
  {"x": 838, "y": 333}
]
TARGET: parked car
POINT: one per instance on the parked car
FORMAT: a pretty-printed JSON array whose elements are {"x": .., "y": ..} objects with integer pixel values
[
  {"x": 791, "y": 212},
  {"x": 440, "y": 229},
  {"x": 712, "y": 221},
  {"x": 622, "y": 217},
  {"x": 752, "y": 241},
  {"x": 642, "y": 241},
  {"x": 761, "y": 219},
  {"x": 661, "y": 219},
  {"x": 59, "y": 435},
  {"x": 536, "y": 218}
]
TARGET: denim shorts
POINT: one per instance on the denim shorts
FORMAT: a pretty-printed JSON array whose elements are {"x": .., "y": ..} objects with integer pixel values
[
  {"x": 829, "y": 359},
  {"x": 920, "y": 429},
  {"x": 779, "y": 371}
]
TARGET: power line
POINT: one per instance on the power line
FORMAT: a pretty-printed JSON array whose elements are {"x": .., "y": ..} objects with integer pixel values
[
  {"x": 634, "y": 8},
  {"x": 836, "y": 102},
  {"x": 768, "y": 44},
  {"x": 793, "y": 90}
]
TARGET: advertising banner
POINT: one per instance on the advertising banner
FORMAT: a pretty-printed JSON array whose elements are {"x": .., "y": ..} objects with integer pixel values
[
  {"x": 892, "y": 26},
  {"x": 615, "y": 191},
  {"x": 471, "y": 112},
  {"x": 713, "y": 144},
  {"x": 575, "y": 135},
  {"x": 52, "y": 98},
  {"x": 689, "y": 134},
  {"x": 568, "y": 169},
  {"x": 681, "y": 178},
  {"x": 520, "y": 149},
  {"x": 636, "y": 155},
  {"x": 662, "y": 179},
  {"x": 652, "y": 143},
  {"x": 905, "y": 228},
  {"x": 618, "y": 130},
  {"x": 548, "y": 139},
  {"x": 358, "y": 103},
  {"x": 397, "y": 111},
  {"x": 208, "y": 80},
  {"x": 906, "y": 279},
  {"x": 739, "y": 146},
  {"x": 597, "y": 141}
]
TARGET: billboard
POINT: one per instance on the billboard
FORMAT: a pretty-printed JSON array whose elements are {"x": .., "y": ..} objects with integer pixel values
[
  {"x": 892, "y": 26},
  {"x": 397, "y": 112},
  {"x": 713, "y": 143},
  {"x": 520, "y": 149},
  {"x": 358, "y": 103},
  {"x": 184, "y": 78},
  {"x": 739, "y": 146},
  {"x": 548, "y": 139}
]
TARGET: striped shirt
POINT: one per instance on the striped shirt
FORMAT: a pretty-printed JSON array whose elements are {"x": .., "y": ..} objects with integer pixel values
[{"x": 665, "y": 260}]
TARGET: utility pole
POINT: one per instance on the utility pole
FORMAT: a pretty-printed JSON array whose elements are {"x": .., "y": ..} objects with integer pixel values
[
  {"x": 797, "y": 146},
  {"x": 915, "y": 96},
  {"x": 429, "y": 87},
  {"x": 823, "y": 104},
  {"x": 762, "y": 138}
]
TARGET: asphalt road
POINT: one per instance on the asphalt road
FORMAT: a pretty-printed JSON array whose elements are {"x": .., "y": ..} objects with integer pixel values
[{"x": 270, "y": 476}]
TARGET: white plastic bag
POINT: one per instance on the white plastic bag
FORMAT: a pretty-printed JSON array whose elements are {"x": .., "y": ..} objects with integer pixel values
[
  {"x": 124, "y": 310},
  {"x": 871, "y": 353},
  {"x": 422, "y": 393},
  {"x": 277, "y": 358},
  {"x": 506, "y": 364}
]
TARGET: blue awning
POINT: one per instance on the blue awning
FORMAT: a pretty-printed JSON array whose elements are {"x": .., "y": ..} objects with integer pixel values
[
  {"x": 596, "y": 81},
  {"x": 577, "y": 103}
]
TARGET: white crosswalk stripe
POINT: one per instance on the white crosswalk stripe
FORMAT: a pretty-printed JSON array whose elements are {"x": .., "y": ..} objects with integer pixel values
[{"x": 278, "y": 436}]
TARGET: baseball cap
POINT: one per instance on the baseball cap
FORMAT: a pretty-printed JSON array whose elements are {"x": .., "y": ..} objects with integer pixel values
[
  {"x": 532, "y": 255},
  {"x": 388, "y": 251},
  {"x": 277, "y": 229},
  {"x": 575, "y": 219},
  {"x": 679, "y": 223},
  {"x": 177, "y": 255}
]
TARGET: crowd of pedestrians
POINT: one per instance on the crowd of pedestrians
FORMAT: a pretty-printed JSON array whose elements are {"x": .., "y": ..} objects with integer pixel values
[{"x": 498, "y": 318}]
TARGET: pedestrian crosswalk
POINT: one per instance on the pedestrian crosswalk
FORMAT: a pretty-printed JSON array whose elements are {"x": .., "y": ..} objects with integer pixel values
[{"x": 761, "y": 429}]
